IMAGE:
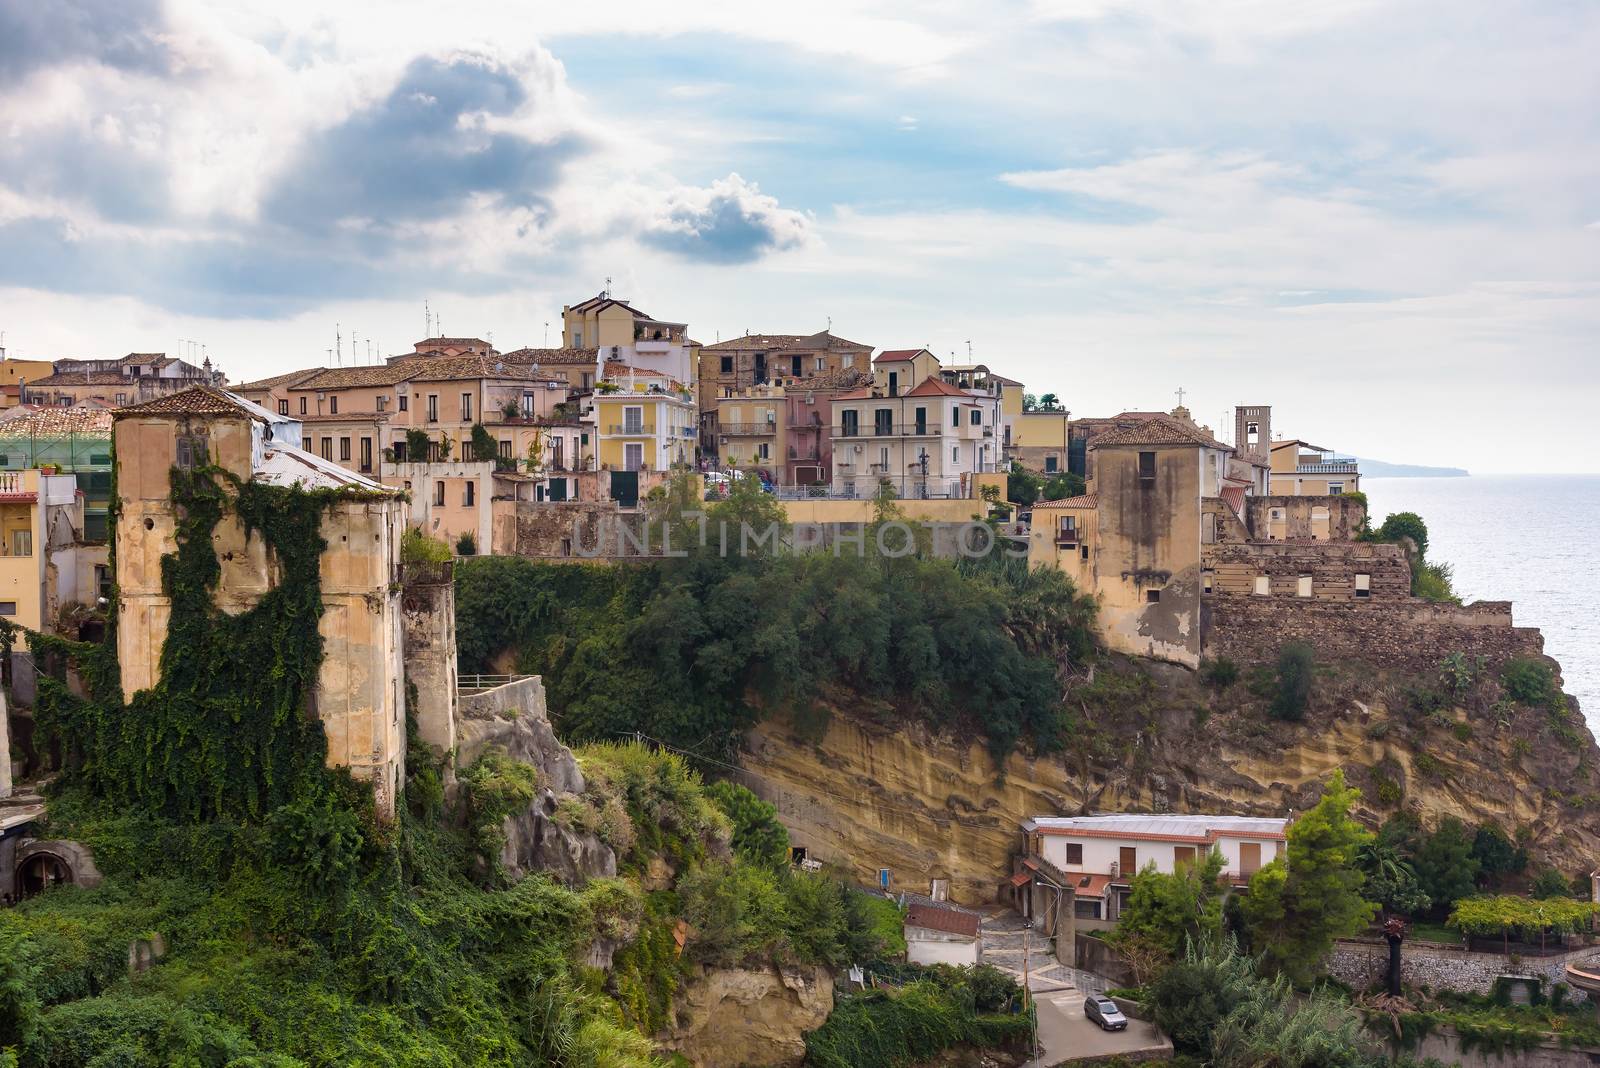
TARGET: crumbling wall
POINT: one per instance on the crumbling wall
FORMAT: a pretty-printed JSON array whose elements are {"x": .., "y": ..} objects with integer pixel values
[
  {"x": 1299, "y": 517},
  {"x": 575, "y": 530},
  {"x": 1409, "y": 635},
  {"x": 1332, "y": 565},
  {"x": 428, "y": 604}
]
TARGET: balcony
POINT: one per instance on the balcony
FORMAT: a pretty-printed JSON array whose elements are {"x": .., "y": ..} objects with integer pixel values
[
  {"x": 809, "y": 453},
  {"x": 643, "y": 346},
  {"x": 749, "y": 430},
  {"x": 632, "y": 430},
  {"x": 890, "y": 430},
  {"x": 1333, "y": 467}
]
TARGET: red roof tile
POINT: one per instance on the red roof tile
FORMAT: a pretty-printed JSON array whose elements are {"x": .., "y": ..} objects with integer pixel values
[{"x": 940, "y": 918}]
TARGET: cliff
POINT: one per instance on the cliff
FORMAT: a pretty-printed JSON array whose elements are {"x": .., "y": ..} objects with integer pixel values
[{"x": 870, "y": 790}]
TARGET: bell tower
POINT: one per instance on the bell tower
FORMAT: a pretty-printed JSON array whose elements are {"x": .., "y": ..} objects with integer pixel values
[{"x": 1252, "y": 432}]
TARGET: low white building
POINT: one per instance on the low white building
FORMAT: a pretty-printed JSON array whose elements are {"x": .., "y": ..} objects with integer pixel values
[
  {"x": 940, "y": 933},
  {"x": 1096, "y": 857}
]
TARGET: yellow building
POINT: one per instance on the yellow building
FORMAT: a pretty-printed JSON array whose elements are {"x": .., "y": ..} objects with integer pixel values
[
  {"x": 360, "y": 686},
  {"x": 894, "y": 371},
  {"x": 1134, "y": 539},
  {"x": 644, "y": 421},
  {"x": 625, "y": 334},
  {"x": 1301, "y": 469},
  {"x": 43, "y": 562},
  {"x": 14, "y": 373},
  {"x": 1039, "y": 440},
  {"x": 751, "y": 430}
]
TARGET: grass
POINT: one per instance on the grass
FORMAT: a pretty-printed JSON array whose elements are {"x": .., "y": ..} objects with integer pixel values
[{"x": 1433, "y": 932}]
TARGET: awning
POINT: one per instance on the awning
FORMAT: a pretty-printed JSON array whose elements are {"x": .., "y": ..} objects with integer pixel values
[{"x": 1022, "y": 878}]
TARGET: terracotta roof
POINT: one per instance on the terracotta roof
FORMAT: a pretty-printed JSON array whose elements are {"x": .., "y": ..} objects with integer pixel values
[
  {"x": 1086, "y": 500},
  {"x": 279, "y": 380},
  {"x": 1276, "y": 445},
  {"x": 810, "y": 342},
  {"x": 196, "y": 400},
  {"x": 602, "y": 300},
  {"x": 899, "y": 355},
  {"x": 1157, "y": 430},
  {"x": 436, "y": 342},
  {"x": 941, "y": 918},
  {"x": 617, "y": 367},
  {"x": 1088, "y": 884},
  {"x": 936, "y": 387},
  {"x": 561, "y": 356},
  {"x": 48, "y": 422},
  {"x": 83, "y": 378},
  {"x": 447, "y": 368},
  {"x": 351, "y": 377},
  {"x": 341, "y": 417}
]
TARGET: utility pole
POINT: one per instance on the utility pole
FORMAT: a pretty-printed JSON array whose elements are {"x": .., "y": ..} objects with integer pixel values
[{"x": 1027, "y": 995}]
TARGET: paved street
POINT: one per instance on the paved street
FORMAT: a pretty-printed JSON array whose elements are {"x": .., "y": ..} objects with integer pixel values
[{"x": 1064, "y": 1032}]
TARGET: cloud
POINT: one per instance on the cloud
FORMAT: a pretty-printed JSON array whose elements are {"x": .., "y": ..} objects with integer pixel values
[
  {"x": 440, "y": 137},
  {"x": 122, "y": 34},
  {"x": 730, "y": 221}
]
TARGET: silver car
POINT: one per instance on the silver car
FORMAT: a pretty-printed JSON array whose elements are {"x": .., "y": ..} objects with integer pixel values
[{"x": 1103, "y": 1011}]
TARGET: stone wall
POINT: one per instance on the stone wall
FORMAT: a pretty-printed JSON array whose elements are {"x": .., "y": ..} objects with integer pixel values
[
  {"x": 1407, "y": 635},
  {"x": 428, "y": 608},
  {"x": 1444, "y": 1046},
  {"x": 1332, "y": 565},
  {"x": 1300, "y": 517},
  {"x": 1363, "y": 964},
  {"x": 571, "y": 529}
]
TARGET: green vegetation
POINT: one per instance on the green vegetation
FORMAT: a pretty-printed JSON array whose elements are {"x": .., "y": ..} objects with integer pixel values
[
  {"x": 421, "y": 550},
  {"x": 1167, "y": 912},
  {"x": 1497, "y": 1028},
  {"x": 1297, "y": 905},
  {"x": 695, "y": 650},
  {"x": 1391, "y": 880},
  {"x": 938, "y": 1008},
  {"x": 1296, "y": 667},
  {"x": 1429, "y": 581},
  {"x": 1217, "y": 1008},
  {"x": 1507, "y": 913},
  {"x": 467, "y": 544},
  {"x": 1220, "y": 672},
  {"x": 1530, "y": 682},
  {"x": 482, "y": 446},
  {"x": 1025, "y": 488}
]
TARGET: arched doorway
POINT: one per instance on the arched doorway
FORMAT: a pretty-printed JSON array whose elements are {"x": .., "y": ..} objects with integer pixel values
[{"x": 40, "y": 872}]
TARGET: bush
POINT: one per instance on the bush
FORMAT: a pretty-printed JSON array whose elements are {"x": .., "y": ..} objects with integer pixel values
[
  {"x": 1220, "y": 672},
  {"x": 1529, "y": 682},
  {"x": 941, "y": 1007},
  {"x": 1296, "y": 665},
  {"x": 1548, "y": 884},
  {"x": 757, "y": 835},
  {"x": 420, "y": 550},
  {"x": 1406, "y": 525},
  {"x": 467, "y": 544}
]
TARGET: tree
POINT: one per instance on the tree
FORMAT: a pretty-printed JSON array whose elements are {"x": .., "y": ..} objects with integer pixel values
[
  {"x": 1023, "y": 487},
  {"x": 1172, "y": 909},
  {"x": 1406, "y": 525},
  {"x": 1296, "y": 665},
  {"x": 1495, "y": 853},
  {"x": 1050, "y": 402},
  {"x": 1549, "y": 884},
  {"x": 1446, "y": 868},
  {"x": 757, "y": 835},
  {"x": 1297, "y": 905},
  {"x": 483, "y": 446},
  {"x": 1391, "y": 880},
  {"x": 1060, "y": 487},
  {"x": 1029, "y": 402}
]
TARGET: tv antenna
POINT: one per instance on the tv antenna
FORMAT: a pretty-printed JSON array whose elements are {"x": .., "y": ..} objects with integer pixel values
[
  {"x": 547, "y": 333},
  {"x": 427, "y": 317},
  {"x": 338, "y": 346}
]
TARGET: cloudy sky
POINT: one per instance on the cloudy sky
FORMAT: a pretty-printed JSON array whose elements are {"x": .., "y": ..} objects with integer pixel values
[{"x": 1382, "y": 218}]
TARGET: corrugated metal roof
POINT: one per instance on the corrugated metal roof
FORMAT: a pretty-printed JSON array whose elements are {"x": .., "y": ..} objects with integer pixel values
[{"x": 1160, "y": 825}]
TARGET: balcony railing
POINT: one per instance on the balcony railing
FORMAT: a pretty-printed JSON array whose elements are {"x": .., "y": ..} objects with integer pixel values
[
  {"x": 633, "y": 430},
  {"x": 749, "y": 430},
  {"x": 803, "y": 454},
  {"x": 889, "y": 430},
  {"x": 1335, "y": 467}
]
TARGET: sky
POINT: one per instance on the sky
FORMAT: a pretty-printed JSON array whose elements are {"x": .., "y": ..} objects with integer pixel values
[{"x": 1382, "y": 218}]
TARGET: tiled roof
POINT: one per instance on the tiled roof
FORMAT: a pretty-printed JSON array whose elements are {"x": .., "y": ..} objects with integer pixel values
[
  {"x": 553, "y": 356},
  {"x": 341, "y": 417},
  {"x": 49, "y": 422},
  {"x": 287, "y": 465},
  {"x": 450, "y": 368},
  {"x": 1161, "y": 827},
  {"x": 196, "y": 400},
  {"x": 351, "y": 377},
  {"x": 82, "y": 378},
  {"x": 942, "y": 918},
  {"x": 617, "y": 367},
  {"x": 1086, "y": 500},
  {"x": 937, "y": 387},
  {"x": 842, "y": 379},
  {"x": 898, "y": 355},
  {"x": 1157, "y": 430},
  {"x": 275, "y": 381},
  {"x": 809, "y": 342},
  {"x": 439, "y": 342}
]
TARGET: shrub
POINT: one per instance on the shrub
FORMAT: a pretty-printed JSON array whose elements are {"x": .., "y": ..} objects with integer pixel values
[
  {"x": 1549, "y": 883},
  {"x": 467, "y": 544},
  {"x": 1530, "y": 682},
  {"x": 419, "y": 549},
  {"x": 1220, "y": 672},
  {"x": 1296, "y": 664},
  {"x": 1405, "y": 525},
  {"x": 757, "y": 835}
]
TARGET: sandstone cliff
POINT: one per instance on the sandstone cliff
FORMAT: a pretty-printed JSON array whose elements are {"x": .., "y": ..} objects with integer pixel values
[
  {"x": 871, "y": 790},
  {"x": 728, "y": 1018}
]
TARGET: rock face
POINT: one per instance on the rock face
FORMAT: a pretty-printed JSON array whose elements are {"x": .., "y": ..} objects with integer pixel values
[
  {"x": 513, "y": 717},
  {"x": 871, "y": 792},
  {"x": 728, "y": 1018}
]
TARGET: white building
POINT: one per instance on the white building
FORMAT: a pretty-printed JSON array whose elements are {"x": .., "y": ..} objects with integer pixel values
[
  {"x": 1096, "y": 857},
  {"x": 940, "y": 933},
  {"x": 927, "y": 442}
]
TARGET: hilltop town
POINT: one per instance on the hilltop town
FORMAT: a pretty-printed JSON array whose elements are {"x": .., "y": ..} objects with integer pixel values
[{"x": 417, "y": 631}]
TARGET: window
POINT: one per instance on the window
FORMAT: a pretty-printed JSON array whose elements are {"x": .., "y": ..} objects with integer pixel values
[
  {"x": 727, "y": 365},
  {"x": 632, "y": 420},
  {"x": 438, "y": 494},
  {"x": 1208, "y": 580},
  {"x": 955, "y": 416},
  {"x": 469, "y": 494},
  {"x": 1074, "y": 852},
  {"x": 977, "y": 417},
  {"x": 1086, "y": 908},
  {"x": 433, "y": 407},
  {"x": 762, "y": 452},
  {"x": 822, "y": 363},
  {"x": 1252, "y": 433},
  {"x": 577, "y": 339},
  {"x": 102, "y": 580},
  {"x": 1127, "y": 862},
  {"x": 1303, "y": 586},
  {"x": 403, "y": 399},
  {"x": 302, "y": 406},
  {"x": 1152, "y": 596},
  {"x": 1067, "y": 531},
  {"x": 850, "y": 421},
  {"x": 798, "y": 366},
  {"x": 466, "y": 407},
  {"x": 383, "y": 402},
  {"x": 955, "y": 454},
  {"x": 366, "y": 454},
  {"x": 527, "y": 404},
  {"x": 1051, "y": 463},
  {"x": 344, "y": 450},
  {"x": 921, "y": 420},
  {"x": 1335, "y": 488},
  {"x": 122, "y": 398},
  {"x": 505, "y": 448},
  {"x": 1147, "y": 467},
  {"x": 8, "y": 608},
  {"x": 327, "y": 448},
  {"x": 1182, "y": 857},
  {"x": 191, "y": 451},
  {"x": 883, "y": 422},
  {"x": 632, "y": 456},
  {"x": 333, "y": 405},
  {"x": 1249, "y": 858},
  {"x": 283, "y": 407},
  {"x": 305, "y": 443},
  {"x": 1363, "y": 585},
  {"x": 1263, "y": 586},
  {"x": 22, "y": 543},
  {"x": 849, "y": 362}
]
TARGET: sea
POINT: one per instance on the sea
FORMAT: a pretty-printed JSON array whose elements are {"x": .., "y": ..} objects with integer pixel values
[{"x": 1528, "y": 539}]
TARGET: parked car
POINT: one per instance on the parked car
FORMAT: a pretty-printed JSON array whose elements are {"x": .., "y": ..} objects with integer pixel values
[{"x": 1103, "y": 1011}]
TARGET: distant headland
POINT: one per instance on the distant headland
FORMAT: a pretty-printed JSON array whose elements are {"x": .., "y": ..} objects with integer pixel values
[{"x": 1380, "y": 469}]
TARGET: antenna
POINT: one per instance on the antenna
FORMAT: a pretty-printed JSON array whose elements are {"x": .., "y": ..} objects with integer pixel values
[
  {"x": 547, "y": 333},
  {"x": 969, "y": 350},
  {"x": 338, "y": 346},
  {"x": 427, "y": 317},
  {"x": 607, "y": 293}
]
